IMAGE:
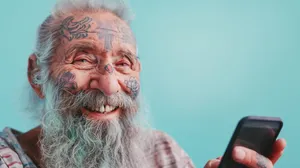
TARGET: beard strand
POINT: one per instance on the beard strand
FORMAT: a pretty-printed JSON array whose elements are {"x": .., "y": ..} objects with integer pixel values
[{"x": 69, "y": 139}]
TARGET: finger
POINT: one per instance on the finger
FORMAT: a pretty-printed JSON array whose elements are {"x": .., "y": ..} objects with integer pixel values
[
  {"x": 212, "y": 163},
  {"x": 219, "y": 158},
  {"x": 250, "y": 158},
  {"x": 277, "y": 150}
]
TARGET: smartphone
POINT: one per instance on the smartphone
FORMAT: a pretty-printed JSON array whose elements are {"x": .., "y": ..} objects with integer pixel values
[{"x": 254, "y": 132}]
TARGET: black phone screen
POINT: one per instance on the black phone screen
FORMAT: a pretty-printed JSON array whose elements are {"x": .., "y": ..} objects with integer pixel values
[{"x": 256, "y": 135}]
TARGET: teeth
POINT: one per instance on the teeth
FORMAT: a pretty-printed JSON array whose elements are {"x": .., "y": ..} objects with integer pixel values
[
  {"x": 107, "y": 108},
  {"x": 102, "y": 109}
]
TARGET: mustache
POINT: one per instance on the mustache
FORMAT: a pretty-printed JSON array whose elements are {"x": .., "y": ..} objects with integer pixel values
[{"x": 95, "y": 99}]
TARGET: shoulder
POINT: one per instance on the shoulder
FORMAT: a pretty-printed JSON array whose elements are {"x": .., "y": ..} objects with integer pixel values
[
  {"x": 168, "y": 152},
  {"x": 8, "y": 156}
]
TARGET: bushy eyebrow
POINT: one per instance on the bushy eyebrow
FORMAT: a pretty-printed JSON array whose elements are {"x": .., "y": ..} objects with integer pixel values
[
  {"x": 79, "y": 46},
  {"x": 92, "y": 47},
  {"x": 128, "y": 54}
]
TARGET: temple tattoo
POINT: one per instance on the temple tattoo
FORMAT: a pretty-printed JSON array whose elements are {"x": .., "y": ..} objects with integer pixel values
[
  {"x": 108, "y": 68},
  {"x": 261, "y": 161},
  {"x": 67, "y": 81},
  {"x": 75, "y": 30},
  {"x": 134, "y": 86}
]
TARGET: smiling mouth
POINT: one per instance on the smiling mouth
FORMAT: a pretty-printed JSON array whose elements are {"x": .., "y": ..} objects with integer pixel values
[{"x": 104, "y": 109}]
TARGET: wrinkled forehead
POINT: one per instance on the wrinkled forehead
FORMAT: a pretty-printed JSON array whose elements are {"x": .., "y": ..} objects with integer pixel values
[{"x": 102, "y": 30}]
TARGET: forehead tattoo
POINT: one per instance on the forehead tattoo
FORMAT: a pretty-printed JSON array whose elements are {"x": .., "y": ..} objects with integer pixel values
[
  {"x": 108, "y": 31},
  {"x": 70, "y": 29},
  {"x": 114, "y": 30}
]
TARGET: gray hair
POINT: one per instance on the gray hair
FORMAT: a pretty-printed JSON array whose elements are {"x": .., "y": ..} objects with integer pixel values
[{"x": 48, "y": 34}]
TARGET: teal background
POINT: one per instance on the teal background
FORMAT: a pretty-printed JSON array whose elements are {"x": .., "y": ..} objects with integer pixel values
[{"x": 205, "y": 64}]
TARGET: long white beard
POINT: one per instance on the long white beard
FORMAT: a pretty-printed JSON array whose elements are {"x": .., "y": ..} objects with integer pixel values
[{"x": 70, "y": 140}]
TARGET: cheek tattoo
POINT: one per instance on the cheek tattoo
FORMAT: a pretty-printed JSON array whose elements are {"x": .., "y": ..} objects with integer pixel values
[
  {"x": 75, "y": 30},
  {"x": 67, "y": 81},
  {"x": 133, "y": 85},
  {"x": 108, "y": 68}
]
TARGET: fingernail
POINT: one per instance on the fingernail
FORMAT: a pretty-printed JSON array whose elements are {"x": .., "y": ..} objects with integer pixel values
[{"x": 239, "y": 153}]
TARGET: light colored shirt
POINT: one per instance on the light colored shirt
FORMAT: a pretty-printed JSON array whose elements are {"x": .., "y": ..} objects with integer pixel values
[
  {"x": 165, "y": 153},
  {"x": 11, "y": 153}
]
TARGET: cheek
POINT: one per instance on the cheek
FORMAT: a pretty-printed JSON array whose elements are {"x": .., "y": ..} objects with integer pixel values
[
  {"x": 132, "y": 85},
  {"x": 67, "y": 81},
  {"x": 132, "y": 74},
  {"x": 124, "y": 79},
  {"x": 82, "y": 79},
  {"x": 72, "y": 80}
]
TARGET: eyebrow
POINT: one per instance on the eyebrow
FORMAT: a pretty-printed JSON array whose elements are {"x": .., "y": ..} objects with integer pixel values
[
  {"x": 90, "y": 46},
  {"x": 128, "y": 54},
  {"x": 78, "y": 46}
]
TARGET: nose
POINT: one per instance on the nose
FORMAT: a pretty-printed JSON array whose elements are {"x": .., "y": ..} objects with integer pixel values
[{"x": 106, "y": 82}]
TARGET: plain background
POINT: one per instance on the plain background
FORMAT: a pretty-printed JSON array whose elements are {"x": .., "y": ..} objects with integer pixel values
[{"x": 205, "y": 64}]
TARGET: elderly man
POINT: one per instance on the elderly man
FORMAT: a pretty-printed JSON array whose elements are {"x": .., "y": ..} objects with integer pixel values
[{"x": 84, "y": 74}]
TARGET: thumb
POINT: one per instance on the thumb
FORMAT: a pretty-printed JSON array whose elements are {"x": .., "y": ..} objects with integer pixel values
[{"x": 212, "y": 163}]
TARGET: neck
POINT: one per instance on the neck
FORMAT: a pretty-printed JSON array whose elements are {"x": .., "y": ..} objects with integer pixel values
[{"x": 29, "y": 142}]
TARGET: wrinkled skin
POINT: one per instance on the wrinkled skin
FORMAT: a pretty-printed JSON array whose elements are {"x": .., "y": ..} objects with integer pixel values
[{"x": 97, "y": 51}]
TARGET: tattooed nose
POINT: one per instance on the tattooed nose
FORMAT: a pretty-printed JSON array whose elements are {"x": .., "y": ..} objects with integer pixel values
[{"x": 108, "y": 68}]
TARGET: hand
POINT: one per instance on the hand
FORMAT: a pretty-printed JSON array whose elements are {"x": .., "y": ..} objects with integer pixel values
[
  {"x": 214, "y": 163},
  {"x": 252, "y": 159}
]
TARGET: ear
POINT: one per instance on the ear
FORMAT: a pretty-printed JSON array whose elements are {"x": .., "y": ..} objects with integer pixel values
[
  {"x": 32, "y": 75},
  {"x": 138, "y": 66}
]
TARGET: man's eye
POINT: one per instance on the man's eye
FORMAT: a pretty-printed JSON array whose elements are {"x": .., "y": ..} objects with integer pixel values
[
  {"x": 82, "y": 60},
  {"x": 123, "y": 64},
  {"x": 79, "y": 61}
]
